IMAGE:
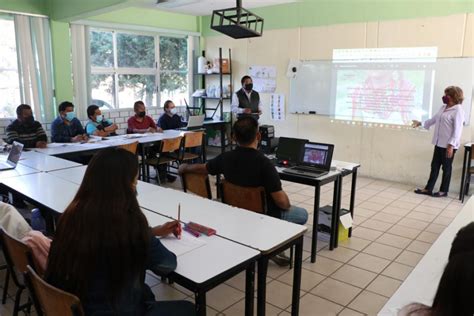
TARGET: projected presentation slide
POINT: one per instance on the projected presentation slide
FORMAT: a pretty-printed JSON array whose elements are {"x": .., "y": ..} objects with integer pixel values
[{"x": 388, "y": 85}]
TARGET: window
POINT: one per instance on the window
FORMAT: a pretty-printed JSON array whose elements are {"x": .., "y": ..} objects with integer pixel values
[
  {"x": 9, "y": 79},
  {"x": 126, "y": 67}
]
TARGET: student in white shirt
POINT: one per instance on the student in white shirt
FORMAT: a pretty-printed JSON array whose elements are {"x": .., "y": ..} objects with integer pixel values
[
  {"x": 246, "y": 101},
  {"x": 448, "y": 124}
]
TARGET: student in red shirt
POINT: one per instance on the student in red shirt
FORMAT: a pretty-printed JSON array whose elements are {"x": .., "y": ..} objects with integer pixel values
[{"x": 140, "y": 122}]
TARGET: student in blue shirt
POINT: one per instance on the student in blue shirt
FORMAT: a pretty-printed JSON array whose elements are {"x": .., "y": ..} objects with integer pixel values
[
  {"x": 97, "y": 125},
  {"x": 66, "y": 128}
]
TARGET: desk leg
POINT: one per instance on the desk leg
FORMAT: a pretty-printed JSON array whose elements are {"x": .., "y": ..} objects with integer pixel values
[
  {"x": 200, "y": 303},
  {"x": 314, "y": 242},
  {"x": 143, "y": 154},
  {"x": 463, "y": 174},
  {"x": 468, "y": 179},
  {"x": 353, "y": 191},
  {"x": 223, "y": 138},
  {"x": 249, "y": 289},
  {"x": 338, "y": 212},
  {"x": 262, "y": 285},
  {"x": 333, "y": 236},
  {"x": 295, "y": 305}
]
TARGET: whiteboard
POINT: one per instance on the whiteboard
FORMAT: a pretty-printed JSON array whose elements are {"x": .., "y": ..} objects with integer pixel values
[{"x": 312, "y": 88}]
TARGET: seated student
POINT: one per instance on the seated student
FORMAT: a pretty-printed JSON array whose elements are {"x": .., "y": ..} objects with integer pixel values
[
  {"x": 169, "y": 119},
  {"x": 456, "y": 286},
  {"x": 66, "y": 128},
  {"x": 98, "y": 126},
  {"x": 246, "y": 166},
  {"x": 103, "y": 244},
  {"x": 140, "y": 122},
  {"x": 26, "y": 130}
]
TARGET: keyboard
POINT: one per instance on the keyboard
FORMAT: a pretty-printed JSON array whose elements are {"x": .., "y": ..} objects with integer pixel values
[{"x": 305, "y": 171}]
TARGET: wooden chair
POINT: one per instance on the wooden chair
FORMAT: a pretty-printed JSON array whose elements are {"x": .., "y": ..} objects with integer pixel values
[
  {"x": 49, "y": 300},
  {"x": 197, "y": 183},
  {"x": 193, "y": 140},
  {"x": 130, "y": 147},
  {"x": 249, "y": 198},
  {"x": 469, "y": 173},
  {"x": 18, "y": 256},
  {"x": 168, "y": 153}
]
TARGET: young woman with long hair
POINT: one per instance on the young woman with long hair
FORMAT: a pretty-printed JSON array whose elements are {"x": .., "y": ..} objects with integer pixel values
[{"x": 103, "y": 244}]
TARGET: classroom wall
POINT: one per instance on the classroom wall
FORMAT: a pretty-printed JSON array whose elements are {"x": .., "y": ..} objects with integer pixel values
[{"x": 397, "y": 155}]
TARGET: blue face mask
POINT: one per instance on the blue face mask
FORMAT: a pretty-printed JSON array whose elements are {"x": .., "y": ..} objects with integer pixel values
[
  {"x": 70, "y": 116},
  {"x": 99, "y": 118}
]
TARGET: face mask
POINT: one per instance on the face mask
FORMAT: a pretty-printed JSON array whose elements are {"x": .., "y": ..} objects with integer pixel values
[
  {"x": 141, "y": 114},
  {"x": 445, "y": 99},
  {"x": 29, "y": 120},
  {"x": 70, "y": 116},
  {"x": 173, "y": 111},
  {"x": 99, "y": 118},
  {"x": 248, "y": 86}
]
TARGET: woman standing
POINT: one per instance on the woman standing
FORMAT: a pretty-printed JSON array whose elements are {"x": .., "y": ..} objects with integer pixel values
[
  {"x": 448, "y": 124},
  {"x": 103, "y": 244}
]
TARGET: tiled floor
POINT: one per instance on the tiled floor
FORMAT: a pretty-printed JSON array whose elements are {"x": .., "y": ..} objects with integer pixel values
[{"x": 393, "y": 228}]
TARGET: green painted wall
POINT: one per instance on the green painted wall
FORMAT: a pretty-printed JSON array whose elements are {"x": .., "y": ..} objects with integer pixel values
[
  {"x": 68, "y": 10},
  {"x": 29, "y": 6},
  {"x": 325, "y": 12},
  {"x": 61, "y": 41},
  {"x": 150, "y": 17}
]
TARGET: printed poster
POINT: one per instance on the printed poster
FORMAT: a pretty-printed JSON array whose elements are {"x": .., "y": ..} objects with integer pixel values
[{"x": 264, "y": 78}]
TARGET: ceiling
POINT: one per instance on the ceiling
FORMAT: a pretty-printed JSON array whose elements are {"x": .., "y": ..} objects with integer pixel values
[{"x": 205, "y": 7}]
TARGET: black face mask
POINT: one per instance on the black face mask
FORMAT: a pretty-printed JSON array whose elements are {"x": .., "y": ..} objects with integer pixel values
[
  {"x": 248, "y": 86},
  {"x": 141, "y": 114},
  {"x": 29, "y": 120}
]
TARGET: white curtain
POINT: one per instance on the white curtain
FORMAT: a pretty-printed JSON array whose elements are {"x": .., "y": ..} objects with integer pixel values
[
  {"x": 80, "y": 52},
  {"x": 35, "y": 65}
]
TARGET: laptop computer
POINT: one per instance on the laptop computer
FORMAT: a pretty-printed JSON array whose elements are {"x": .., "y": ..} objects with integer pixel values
[
  {"x": 316, "y": 161},
  {"x": 194, "y": 122},
  {"x": 289, "y": 151},
  {"x": 13, "y": 157}
]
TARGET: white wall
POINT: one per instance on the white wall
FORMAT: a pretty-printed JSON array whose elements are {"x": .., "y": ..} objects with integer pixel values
[{"x": 397, "y": 155}]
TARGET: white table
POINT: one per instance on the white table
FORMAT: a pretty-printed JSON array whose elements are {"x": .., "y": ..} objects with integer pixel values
[
  {"x": 267, "y": 234},
  {"x": 42, "y": 162},
  {"x": 75, "y": 175},
  {"x": 422, "y": 283},
  {"x": 20, "y": 170},
  {"x": 54, "y": 149},
  {"x": 203, "y": 268}
]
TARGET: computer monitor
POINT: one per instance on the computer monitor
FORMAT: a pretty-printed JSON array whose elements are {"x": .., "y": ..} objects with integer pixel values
[
  {"x": 290, "y": 149},
  {"x": 318, "y": 155}
]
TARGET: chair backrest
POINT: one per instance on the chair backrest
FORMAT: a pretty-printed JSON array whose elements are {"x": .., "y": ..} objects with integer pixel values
[
  {"x": 193, "y": 139},
  {"x": 249, "y": 198},
  {"x": 49, "y": 300},
  {"x": 197, "y": 183},
  {"x": 171, "y": 144},
  {"x": 130, "y": 147},
  {"x": 17, "y": 255}
]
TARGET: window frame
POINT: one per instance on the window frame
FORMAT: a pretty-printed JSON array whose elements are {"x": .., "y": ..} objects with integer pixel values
[{"x": 156, "y": 71}]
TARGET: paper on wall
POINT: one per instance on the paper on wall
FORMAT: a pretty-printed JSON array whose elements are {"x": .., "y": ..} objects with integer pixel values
[
  {"x": 277, "y": 107},
  {"x": 264, "y": 78}
]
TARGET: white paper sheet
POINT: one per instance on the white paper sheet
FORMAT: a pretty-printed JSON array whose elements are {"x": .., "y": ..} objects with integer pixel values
[{"x": 181, "y": 246}]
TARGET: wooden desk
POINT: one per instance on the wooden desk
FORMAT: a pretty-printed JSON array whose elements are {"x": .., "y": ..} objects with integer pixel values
[{"x": 422, "y": 283}]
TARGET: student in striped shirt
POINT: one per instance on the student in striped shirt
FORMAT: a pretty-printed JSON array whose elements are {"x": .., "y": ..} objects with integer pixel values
[{"x": 26, "y": 130}]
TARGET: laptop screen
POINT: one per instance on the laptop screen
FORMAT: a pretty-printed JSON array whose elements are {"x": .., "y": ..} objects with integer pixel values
[
  {"x": 318, "y": 155},
  {"x": 15, "y": 153},
  {"x": 290, "y": 149}
]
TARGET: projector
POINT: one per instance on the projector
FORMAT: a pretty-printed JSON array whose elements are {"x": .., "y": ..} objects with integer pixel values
[{"x": 237, "y": 22}]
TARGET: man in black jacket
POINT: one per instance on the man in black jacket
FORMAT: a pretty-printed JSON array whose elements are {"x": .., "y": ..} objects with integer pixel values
[
  {"x": 246, "y": 101},
  {"x": 26, "y": 130}
]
